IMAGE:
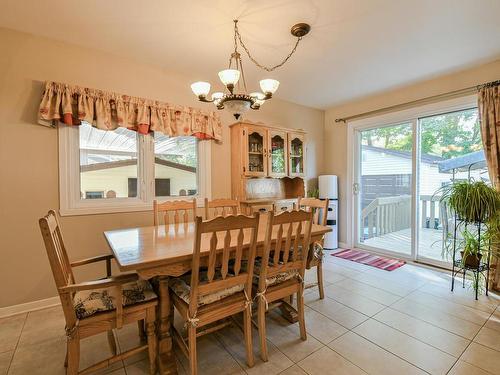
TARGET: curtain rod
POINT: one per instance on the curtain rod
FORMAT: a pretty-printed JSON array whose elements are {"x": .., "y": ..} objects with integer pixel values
[{"x": 448, "y": 95}]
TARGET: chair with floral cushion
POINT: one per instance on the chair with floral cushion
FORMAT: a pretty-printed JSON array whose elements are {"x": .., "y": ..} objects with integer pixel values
[
  {"x": 205, "y": 299},
  {"x": 319, "y": 208},
  {"x": 98, "y": 306},
  {"x": 282, "y": 275}
]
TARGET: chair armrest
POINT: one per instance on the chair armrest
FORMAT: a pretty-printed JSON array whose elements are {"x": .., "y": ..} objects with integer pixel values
[
  {"x": 99, "y": 284},
  {"x": 90, "y": 260}
]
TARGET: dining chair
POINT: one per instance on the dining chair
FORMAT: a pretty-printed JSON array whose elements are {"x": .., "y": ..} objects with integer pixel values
[
  {"x": 280, "y": 270},
  {"x": 178, "y": 210},
  {"x": 221, "y": 207},
  {"x": 98, "y": 306},
  {"x": 319, "y": 208},
  {"x": 205, "y": 298}
]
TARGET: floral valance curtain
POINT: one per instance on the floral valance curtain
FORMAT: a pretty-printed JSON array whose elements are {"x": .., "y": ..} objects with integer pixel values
[{"x": 108, "y": 110}]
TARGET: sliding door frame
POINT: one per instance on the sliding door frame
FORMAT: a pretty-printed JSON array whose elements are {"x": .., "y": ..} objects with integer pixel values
[{"x": 406, "y": 116}]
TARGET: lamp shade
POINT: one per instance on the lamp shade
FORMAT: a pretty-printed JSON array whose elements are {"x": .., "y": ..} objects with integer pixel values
[
  {"x": 259, "y": 98},
  {"x": 257, "y": 95},
  {"x": 216, "y": 97},
  {"x": 229, "y": 76},
  {"x": 201, "y": 88},
  {"x": 269, "y": 86}
]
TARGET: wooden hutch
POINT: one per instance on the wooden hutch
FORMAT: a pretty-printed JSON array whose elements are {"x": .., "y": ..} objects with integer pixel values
[{"x": 267, "y": 166}]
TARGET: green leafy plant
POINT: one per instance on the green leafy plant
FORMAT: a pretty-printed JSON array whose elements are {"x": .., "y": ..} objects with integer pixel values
[
  {"x": 313, "y": 193},
  {"x": 472, "y": 201},
  {"x": 477, "y": 205},
  {"x": 472, "y": 248}
]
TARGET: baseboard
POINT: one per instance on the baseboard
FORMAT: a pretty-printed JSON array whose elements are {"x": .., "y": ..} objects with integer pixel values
[
  {"x": 343, "y": 245},
  {"x": 29, "y": 306}
]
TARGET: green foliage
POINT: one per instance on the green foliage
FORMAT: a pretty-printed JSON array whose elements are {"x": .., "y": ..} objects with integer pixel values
[
  {"x": 448, "y": 135},
  {"x": 278, "y": 160},
  {"x": 313, "y": 193},
  {"x": 472, "y": 245},
  {"x": 472, "y": 201}
]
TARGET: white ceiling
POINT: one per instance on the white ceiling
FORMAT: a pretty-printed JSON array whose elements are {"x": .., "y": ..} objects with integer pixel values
[{"x": 355, "y": 48}]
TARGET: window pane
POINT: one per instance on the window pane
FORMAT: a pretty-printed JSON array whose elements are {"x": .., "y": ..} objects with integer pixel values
[
  {"x": 450, "y": 148},
  {"x": 176, "y": 165},
  {"x": 386, "y": 188},
  {"x": 108, "y": 163}
]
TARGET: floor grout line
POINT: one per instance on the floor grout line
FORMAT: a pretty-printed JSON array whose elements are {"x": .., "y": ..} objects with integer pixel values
[
  {"x": 322, "y": 345},
  {"x": 447, "y": 312},
  {"x": 17, "y": 343},
  {"x": 461, "y": 354},
  {"x": 327, "y": 346}
]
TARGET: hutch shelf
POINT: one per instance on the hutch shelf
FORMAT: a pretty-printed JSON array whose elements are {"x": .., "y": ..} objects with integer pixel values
[{"x": 267, "y": 166}]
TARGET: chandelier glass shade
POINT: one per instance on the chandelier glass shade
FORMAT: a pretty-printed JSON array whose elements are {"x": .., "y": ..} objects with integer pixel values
[{"x": 233, "y": 77}]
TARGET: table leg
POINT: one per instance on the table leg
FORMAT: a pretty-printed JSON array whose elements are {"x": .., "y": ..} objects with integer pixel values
[{"x": 166, "y": 359}]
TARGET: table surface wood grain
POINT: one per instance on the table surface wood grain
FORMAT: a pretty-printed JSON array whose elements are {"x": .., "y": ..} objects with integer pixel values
[{"x": 144, "y": 247}]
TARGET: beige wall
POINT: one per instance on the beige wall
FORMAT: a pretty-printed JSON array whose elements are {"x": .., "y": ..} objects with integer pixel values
[
  {"x": 28, "y": 152},
  {"x": 336, "y": 134}
]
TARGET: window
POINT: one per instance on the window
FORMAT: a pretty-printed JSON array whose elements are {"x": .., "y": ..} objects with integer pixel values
[
  {"x": 176, "y": 162},
  {"x": 108, "y": 160},
  {"x": 121, "y": 170}
]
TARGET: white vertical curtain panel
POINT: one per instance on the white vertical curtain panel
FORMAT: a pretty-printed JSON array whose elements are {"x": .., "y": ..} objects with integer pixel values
[{"x": 108, "y": 110}]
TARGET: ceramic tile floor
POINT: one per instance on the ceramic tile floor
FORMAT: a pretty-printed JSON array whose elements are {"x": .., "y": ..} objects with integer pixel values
[{"x": 371, "y": 322}]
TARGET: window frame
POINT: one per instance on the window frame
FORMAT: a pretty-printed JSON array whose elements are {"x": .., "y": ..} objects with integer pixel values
[
  {"x": 70, "y": 203},
  {"x": 410, "y": 115}
]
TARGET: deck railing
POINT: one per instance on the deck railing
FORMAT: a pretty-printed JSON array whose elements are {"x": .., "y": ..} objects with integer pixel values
[
  {"x": 386, "y": 215},
  {"x": 391, "y": 214},
  {"x": 430, "y": 206}
]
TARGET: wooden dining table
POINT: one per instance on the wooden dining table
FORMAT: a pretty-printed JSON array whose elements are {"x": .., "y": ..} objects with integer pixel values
[{"x": 161, "y": 252}]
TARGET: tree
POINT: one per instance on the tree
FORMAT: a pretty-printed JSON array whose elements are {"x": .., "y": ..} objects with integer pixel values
[{"x": 448, "y": 135}]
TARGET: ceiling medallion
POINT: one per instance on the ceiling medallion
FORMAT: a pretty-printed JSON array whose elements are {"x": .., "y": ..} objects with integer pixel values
[{"x": 240, "y": 102}]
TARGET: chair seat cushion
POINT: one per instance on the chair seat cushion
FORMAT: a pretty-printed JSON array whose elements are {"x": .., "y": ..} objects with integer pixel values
[
  {"x": 315, "y": 256},
  {"x": 317, "y": 251},
  {"x": 90, "y": 302},
  {"x": 274, "y": 279},
  {"x": 182, "y": 288}
]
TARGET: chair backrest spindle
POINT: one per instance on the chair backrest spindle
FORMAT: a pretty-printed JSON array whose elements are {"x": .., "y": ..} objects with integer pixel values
[
  {"x": 223, "y": 238},
  {"x": 178, "y": 211},
  {"x": 319, "y": 207},
  {"x": 291, "y": 249},
  {"x": 221, "y": 207}
]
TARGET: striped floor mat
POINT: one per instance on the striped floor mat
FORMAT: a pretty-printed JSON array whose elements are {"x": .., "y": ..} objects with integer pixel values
[{"x": 387, "y": 264}]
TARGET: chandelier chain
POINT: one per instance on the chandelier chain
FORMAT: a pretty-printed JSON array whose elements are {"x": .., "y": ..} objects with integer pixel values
[{"x": 269, "y": 69}]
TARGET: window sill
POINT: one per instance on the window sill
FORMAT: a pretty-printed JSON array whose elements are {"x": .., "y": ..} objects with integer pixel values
[{"x": 115, "y": 206}]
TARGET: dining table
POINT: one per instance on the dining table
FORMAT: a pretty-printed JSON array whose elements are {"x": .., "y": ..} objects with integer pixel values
[{"x": 165, "y": 251}]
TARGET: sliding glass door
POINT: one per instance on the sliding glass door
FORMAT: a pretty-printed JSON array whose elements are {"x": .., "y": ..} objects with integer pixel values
[
  {"x": 450, "y": 149},
  {"x": 399, "y": 170},
  {"x": 385, "y": 181}
]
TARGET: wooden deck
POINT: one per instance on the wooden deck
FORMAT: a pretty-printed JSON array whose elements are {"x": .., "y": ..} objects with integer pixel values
[{"x": 400, "y": 241}]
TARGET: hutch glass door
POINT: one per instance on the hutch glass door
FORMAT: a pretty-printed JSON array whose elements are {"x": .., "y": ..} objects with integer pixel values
[
  {"x": 256, "y": 153},
  {"x": 277, "y": 154},
  {"x": 296, "y": 149}
]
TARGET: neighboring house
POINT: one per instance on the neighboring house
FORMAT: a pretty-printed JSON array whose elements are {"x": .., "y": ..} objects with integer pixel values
[
  {"x": 386, "y": 172},
  {"x": 120, "y": 177}
]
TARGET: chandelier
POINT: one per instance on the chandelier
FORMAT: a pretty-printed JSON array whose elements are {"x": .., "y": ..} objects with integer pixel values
[{"x": 240, "y": 102}]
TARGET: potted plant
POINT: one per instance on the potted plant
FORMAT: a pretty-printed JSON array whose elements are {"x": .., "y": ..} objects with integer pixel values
[
  {"x": 476, "y": 205},
  {"x": 472, "y": 249}
]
